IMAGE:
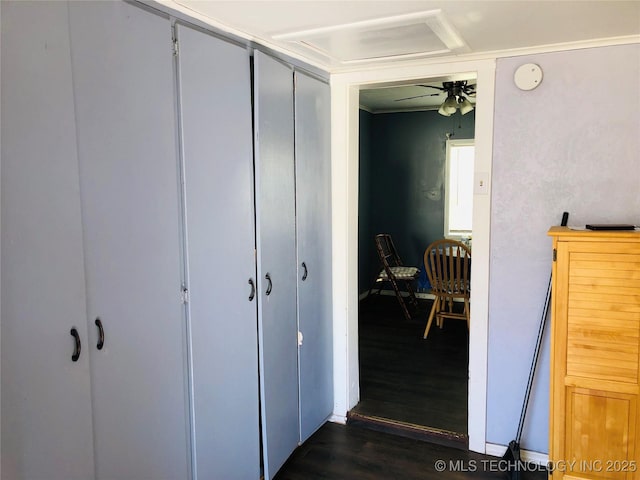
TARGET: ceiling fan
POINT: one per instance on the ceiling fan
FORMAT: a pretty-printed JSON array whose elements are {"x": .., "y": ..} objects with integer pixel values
[{"x": 457, "y": 93}]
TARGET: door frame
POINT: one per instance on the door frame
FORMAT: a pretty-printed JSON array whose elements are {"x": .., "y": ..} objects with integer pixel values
[{"x": 345, "y": 89}]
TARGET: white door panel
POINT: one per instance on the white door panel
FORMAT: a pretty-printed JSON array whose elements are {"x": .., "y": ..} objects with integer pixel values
[
  {"x": 313, "y": 225},
  {"x": 46, "y": 397},
  {"x": 275, "y": 226},
  {"x": 215, "y": 99},
  {"x": 124, "y": 92}
]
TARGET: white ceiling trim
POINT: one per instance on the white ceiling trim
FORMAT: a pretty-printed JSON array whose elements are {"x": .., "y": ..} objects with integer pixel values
[
  {"x": 405, "y": 56},
  {"x": 493, "y": 55},
  {"x": 428, "y": 32},
  {"x": 396, "y": 20}
]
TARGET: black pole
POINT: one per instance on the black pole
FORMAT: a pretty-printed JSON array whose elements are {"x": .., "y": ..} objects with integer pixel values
[
  {"x": 536, "y": 352},
  {"x": 512, "y": 455}
]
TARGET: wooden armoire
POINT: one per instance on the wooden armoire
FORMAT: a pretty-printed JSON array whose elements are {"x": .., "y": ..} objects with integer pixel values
[{"x": 595, "y": 351}]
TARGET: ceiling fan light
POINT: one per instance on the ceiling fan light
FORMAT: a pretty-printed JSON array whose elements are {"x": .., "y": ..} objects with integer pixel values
[
  {"x": 442, "y": 111},
  {"x": 465, "y": 105},
  {"x": 450, "y": 104}
]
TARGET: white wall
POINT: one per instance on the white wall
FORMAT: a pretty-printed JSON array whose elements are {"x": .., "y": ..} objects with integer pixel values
[{"x": 572, "y": 144}]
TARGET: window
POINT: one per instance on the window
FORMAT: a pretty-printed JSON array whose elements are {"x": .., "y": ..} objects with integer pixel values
[{"x": 458, "y": 206}]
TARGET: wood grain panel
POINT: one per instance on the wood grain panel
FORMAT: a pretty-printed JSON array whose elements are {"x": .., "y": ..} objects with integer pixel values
[
  {"x": 624, "y": 280},
  {"x": 592, "y": 274},
  {"x": 600, "y": 429},
  {"x": 603, "y": 318},
  {"x": 597, "y": 384},
  {"x": 595, "y": 350},
  {"x": 627, "y": 294},
  {"x": 626, "y": 311}
]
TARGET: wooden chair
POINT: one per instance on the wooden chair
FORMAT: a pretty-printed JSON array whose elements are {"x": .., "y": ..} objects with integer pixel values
[
  {"x": 448, "y": 266},
  {"x": 394, "y": 272}
]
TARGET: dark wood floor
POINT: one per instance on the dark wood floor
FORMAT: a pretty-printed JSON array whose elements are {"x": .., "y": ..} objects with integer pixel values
[
  {"x": 413, "y": 380},
  {"x": 354, "y": 453},
  {"x": 406, "y": 378}
]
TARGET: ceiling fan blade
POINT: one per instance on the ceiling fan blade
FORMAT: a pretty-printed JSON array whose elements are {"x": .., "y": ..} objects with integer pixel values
[
  {"x": 417, "y": 96},
  {"x": 433, "y": 86},
  {"x": 469, "y": 89}
]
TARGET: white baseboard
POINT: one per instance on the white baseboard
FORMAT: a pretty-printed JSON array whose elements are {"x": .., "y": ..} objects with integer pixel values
[
  {"x": 496, "y": 450},
  {"x": 427, "y": 296},
  {"x": 341, "y": 419}
]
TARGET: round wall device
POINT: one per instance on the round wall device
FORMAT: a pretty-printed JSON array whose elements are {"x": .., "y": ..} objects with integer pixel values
[{"x": 528, "y": 76}]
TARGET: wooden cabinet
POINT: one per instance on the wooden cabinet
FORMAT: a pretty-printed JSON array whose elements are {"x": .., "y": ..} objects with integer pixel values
[{"x": 595, "y": 351}]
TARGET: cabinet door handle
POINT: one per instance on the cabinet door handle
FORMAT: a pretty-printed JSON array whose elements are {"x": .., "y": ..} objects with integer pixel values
[
  {"x": 304, "y": 275},
  {"x": 78, "y": 345},
  {"x": 270, "y": 286},
  {"x": 100, "y": 333},
  {"x": 253, "y": 290}
]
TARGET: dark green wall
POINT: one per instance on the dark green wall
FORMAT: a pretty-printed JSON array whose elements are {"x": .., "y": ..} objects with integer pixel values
[
  {"x": 402, "y": 160},
  {"x": 365, "y": 235}
]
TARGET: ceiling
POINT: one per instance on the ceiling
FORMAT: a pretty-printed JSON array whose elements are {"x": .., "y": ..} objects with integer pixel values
[
  {"x": 353, "y": 34},
  {"x": 348, "y": 35}
]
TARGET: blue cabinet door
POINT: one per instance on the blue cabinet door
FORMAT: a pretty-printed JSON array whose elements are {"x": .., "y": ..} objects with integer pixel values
[
  {"x": 276, "y": 250},
  {"x": 123, "y": 77},
  {"x": 215, "y": 111},
  {"x": 46, "y": 397},
  {"x": 313, "y": 226}
]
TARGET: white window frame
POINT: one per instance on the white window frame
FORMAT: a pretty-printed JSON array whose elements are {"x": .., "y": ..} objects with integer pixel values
[{"x": 457, "y": 234}]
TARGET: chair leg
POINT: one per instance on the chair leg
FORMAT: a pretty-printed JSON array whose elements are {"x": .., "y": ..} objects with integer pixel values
[
  {"x": 434, "y": 308},
  {"x": 449, "y": 302},
  {"x": 412, "y": 293},
  {"x": 371, "y": 290},
  {"x": 377, "y": 282},
  {"x": 467, "y": 313},
  {"x": 400, "y": 299}
]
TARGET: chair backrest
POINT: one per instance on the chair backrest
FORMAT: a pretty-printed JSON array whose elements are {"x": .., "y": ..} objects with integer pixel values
[
  {"x": 387, "y": 251},
  {"x": 448, "y": 266}
]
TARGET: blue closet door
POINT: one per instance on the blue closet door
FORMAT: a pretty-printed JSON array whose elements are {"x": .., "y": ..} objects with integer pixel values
[
  {"x": 215, "y": 106},
  {"x": 276, "y": 249},
  {"x": 46, "y": 397},
  {"x": 127, "y": 145},
  {"x": 313, "y": 226}
]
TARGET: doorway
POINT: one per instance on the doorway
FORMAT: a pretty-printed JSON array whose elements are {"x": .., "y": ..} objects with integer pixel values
[
  {"x": 404, "y": 148},
  {"x": 345, "y": 133}
]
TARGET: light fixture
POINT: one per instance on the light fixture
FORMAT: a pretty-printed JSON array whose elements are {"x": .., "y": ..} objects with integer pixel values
[
  {"x": 442, "y": 111},
  {"x": 465, "y": 105},
  {"x": 457, "y": 93},
  {"x": 455, "y": 98},
  {"x": 450, "y": 104}
]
